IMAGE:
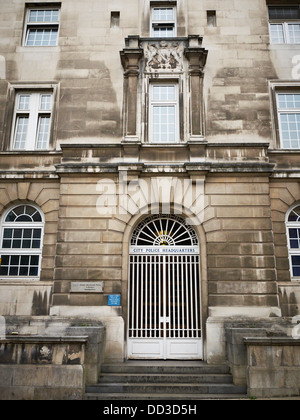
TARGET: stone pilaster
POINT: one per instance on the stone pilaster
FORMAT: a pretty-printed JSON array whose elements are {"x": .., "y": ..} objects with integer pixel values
[
  {"x": 197, "y": 56},
  {"x": 130, "y": 58}
]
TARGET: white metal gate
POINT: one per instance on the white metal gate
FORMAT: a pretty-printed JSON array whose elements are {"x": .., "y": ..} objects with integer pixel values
[{"x": 164, "y": 291}]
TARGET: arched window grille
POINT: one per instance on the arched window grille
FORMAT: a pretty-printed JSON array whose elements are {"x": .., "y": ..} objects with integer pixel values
[
  {"x": 22, "y": 231},
  {"x": 293, "y": 233},
  {"x": 169, "y": 230}
]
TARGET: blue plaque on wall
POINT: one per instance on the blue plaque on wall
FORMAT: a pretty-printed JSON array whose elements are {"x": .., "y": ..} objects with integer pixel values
[{"x": 114, "y": 300}]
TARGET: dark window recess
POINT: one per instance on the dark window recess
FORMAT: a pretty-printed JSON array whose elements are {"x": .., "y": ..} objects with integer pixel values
[
  {"x": 115, "y": 20},
  {"x": 284, "y": 13},
  {"x": 211, "y": 18}
]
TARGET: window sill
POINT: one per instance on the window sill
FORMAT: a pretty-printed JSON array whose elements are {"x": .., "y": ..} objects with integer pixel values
[
  {"x": 30, "y": 152},
  {"x": 23, "y": 280},
  {"x": 40, "y": 49},
  {"x": 285, "y": 46},
  {"x": 284, "y": 151}
]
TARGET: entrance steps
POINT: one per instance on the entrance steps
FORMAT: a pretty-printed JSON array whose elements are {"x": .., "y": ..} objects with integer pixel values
[{"x": 148, "y": 380}]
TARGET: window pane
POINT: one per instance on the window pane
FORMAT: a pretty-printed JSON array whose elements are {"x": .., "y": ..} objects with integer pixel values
[
  {"x": 294, "y": 33},
  {"x": 21, "y": 132},
  {"x": 289, "y": 101},
  {"x": 164, "y": 124},
  {"x": 23, "y": 218},
  {"x": 23, "y": 271},
  {"x": 164, "y": 32},
  {"x": 14, "y": 260},
  {"x": 3, "y": 271},
  {"x": 294, "y": 238},
  {"x": 163, "y": 14},
  {"x": 42, "y": 37},
  {"x": 284, "y": 12},
  {"x": 36, "y": 16},
  {"x": 33, "y": 271},
  {"x": 296, "y": 265},
  {"x": 46, "y": 103},
  {"x": 5, "y": 260},
  {"x": 6, "y": 244},
  {"x": 24, "y": 213},
  {"x": 164, "y": 93},
  {"x": 277, "y": 34},
  {"x": 14, "y": 271},
  {"x": 43, "y": 132},
  {"x": 20, "y": 265},
  {"x": 290, "y": 130},
  {"x": 8, "y": 233},
  {"x": 23, "y": 104},
  {"x": 295, "y": 215}
]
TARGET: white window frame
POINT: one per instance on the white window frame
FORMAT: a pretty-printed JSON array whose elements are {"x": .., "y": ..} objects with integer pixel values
[
  {"x": 154, "y": 103},
  {"x": 286, "y": 32},
  {"x": 34, "y": 114},
  {"x": 282, "y": 111},
  {"x": 26, "y": 251},
  {"x": 163, "y": 23},
  {"x": 292, "y": 251},
  {"x": 40, "y": 25},
  {"x": 285, "y": 25}
]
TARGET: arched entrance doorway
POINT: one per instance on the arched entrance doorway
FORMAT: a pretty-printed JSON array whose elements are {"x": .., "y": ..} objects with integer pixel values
[{"x": 164, "y": 316}]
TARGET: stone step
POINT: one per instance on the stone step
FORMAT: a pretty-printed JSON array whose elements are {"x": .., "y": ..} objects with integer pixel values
[
  {"x": 163, "y": 397},
  {"x": 170, "y": 389},
  {"x": 164, "y": 368},
  {"x": 168, "y": 378}
]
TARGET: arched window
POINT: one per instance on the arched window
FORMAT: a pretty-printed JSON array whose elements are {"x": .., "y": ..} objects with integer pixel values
[
  {"x": 293, "y": 232},
  {"x": 167, "y": 230},
  {"x": 22, "y": 231}
]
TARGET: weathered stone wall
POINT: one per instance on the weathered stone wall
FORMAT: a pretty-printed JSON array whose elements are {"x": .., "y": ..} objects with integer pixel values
[
  {"x": 42, "y": 368},
  {"x": 47, "y": 326},
  {"x": 284, "y": 194},
  {"x": 273, "y": 367},
  {"x": 238, "y": 69},
  {"x": 87, "y": 66},
  {"x": 243, "y": 225},
  {"x": 241, "y": 263},
  {"x": 33, "y": 298}
]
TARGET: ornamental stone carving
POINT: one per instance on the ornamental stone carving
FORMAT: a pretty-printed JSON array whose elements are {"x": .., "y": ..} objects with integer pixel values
[{"x": 163, "y": 56}]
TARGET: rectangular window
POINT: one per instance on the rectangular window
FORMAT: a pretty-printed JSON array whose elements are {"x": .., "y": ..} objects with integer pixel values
[
  {"x": 32, "y": 121},
  {"x": 164, "y": 121},
  {"x": 115, "y": 19},
  {"x": 288, "y": 106},
  {"x": 20, "y": 266},
  {"x": 284, "y": 24},
  {"x": 42, "y": 27},
  {"x": 163, "y": 22},
  {"x": 211, "y": 18}
]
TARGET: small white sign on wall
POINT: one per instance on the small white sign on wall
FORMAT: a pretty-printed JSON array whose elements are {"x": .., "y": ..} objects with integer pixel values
[{"x": 87, "y": 287}]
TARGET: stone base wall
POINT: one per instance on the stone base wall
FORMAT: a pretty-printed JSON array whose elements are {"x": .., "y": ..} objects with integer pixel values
[
  {"x": 273, "y": 367},
  {"x": 60, "y": 327},
  {"x": 42, "y": 368}
]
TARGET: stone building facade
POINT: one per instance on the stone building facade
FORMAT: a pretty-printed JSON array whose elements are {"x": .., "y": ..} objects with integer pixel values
[{"x": 117, "y": 115}]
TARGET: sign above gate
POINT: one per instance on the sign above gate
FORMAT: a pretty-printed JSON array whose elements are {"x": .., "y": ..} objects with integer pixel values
[{"x": 164, "y": 250}]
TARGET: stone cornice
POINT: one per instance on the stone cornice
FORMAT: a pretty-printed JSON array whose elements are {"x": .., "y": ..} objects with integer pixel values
[{"x": 190, "y": 157}]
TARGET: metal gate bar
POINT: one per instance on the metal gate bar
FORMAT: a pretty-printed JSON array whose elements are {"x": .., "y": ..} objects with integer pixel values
[{"x": 164, "y": 297}]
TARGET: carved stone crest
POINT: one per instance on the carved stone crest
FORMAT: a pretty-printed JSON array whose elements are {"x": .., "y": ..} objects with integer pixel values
[{"x": 163, "y": 56}]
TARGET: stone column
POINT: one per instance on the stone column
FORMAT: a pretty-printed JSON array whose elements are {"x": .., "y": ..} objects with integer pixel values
[
  {"x": 197, "y": 57},
  {"x": 130, "y": 58}
]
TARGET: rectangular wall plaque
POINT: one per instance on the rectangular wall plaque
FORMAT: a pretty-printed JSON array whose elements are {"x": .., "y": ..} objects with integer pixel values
[
  {"x": 114, "y": 300},
  {"x": 87, "y": 287}
]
